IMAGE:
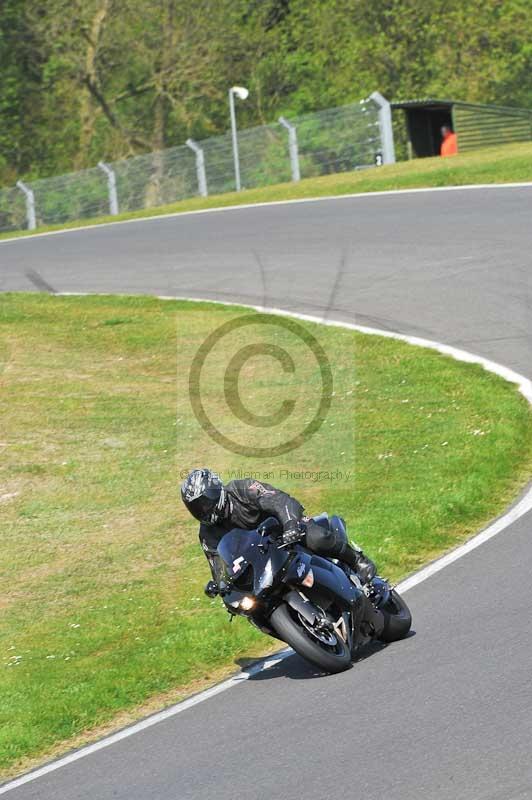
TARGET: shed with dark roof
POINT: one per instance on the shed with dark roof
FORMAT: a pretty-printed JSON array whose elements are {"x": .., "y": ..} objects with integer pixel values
[{"x": 476, "y": 125}]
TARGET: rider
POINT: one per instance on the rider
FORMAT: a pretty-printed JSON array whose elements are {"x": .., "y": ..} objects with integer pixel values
[{"x": 248, "y": 502}]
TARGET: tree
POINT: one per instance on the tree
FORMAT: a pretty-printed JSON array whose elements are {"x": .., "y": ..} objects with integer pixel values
[{"x": 89, "y": 79}]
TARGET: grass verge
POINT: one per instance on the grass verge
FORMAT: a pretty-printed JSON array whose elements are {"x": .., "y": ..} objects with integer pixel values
[
  {"x": 503, "y": 164},
  {"x": 101, "y": 575}
]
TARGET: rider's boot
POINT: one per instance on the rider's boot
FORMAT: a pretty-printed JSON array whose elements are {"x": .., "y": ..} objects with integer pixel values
[{"x": 353, "y": 556}]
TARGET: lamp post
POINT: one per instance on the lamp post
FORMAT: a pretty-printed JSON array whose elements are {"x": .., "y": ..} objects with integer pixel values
[{"x": 241, "y": 92}]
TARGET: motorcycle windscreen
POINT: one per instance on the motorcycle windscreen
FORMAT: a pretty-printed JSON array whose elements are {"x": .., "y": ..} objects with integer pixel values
[
  {"x": 236, "y": 550},
  {"x": 242, "y": 560}
]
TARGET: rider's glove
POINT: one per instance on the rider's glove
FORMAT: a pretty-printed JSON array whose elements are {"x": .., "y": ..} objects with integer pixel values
[
  {"x": 294, "y": 533},
  {"x": 212, "y": 590}
]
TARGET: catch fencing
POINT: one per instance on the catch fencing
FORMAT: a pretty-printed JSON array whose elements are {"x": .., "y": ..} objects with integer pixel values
[{"x": 335, "y": 140}]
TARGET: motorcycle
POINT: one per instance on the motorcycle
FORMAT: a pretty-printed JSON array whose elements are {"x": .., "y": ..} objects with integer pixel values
[{"x": 314, "y": 604}]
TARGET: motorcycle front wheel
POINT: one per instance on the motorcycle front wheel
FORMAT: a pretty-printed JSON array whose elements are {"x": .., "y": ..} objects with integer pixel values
[{"x": 328, "y": 651}]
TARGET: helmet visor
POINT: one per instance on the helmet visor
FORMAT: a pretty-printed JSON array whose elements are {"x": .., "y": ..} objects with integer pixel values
[{"x": 209, "y": 506}]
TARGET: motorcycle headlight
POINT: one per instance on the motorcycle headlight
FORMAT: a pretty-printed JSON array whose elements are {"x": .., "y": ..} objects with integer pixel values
[{"x": 247, "y": 603}]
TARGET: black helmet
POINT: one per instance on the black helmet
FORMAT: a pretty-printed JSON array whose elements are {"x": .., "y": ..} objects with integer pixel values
[{"x": 204, "y": 495}]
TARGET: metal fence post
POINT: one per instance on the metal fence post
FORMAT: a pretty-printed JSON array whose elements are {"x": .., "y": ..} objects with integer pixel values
[
  {"x": 30, "y": 205},
  {"x": 292, "y": 148},
  {"x": 200, "y": 167},
  {"x": 111, "y": 187},
  {"x": 385, "y": 125}
]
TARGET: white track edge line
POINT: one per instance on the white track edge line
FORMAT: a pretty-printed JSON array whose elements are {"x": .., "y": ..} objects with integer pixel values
[
  {"x": 500, "y": 524},
  {"x": 148, "y": 722},
  {"x": 243, "y": 206}
]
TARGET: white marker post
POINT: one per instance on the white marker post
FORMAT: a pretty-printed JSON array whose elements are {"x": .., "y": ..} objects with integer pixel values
[
  {"x": 385, "y": 126},
  {"x": 292, "y": 148},
  {"x": 30, "y": 204},
  {"x": 200, "y": 167},
  {"x": 111, "y": 187}
]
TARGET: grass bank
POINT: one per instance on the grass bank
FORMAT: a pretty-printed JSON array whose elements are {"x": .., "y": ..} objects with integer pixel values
[
  {"x": 101, "y": 574},
  {"x": 505, "y": 164}
]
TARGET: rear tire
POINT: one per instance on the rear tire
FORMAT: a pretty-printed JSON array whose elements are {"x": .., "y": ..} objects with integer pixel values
[
  {"x": 284, "y": 622},
  {"x": 397, "y": 618}
]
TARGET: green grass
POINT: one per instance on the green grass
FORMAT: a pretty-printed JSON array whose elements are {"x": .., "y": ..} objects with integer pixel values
[
  {"x": 504, "y": 164},
  {"x": 101, "y": 574}
]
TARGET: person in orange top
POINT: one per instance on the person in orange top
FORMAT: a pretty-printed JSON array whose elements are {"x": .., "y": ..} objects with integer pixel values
[{"x": 449, "y": 145}]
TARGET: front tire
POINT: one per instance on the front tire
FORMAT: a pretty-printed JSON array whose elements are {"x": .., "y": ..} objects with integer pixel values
[
  {"x": 284, "y": 620},
  {"x": 397, "y": 618}
]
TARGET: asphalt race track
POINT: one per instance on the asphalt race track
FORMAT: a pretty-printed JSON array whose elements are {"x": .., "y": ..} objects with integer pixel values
[{"x": 446, "y": 713}]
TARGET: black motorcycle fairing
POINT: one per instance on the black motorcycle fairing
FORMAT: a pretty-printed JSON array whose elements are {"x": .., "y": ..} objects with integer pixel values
[
  {"x": 249, "y": 561},
  {"x": 298, "y": 566},
  {"x": 375, "y": 619},
  {"x": 333, "y": 583},
  {"x": 303, "y": 606}
]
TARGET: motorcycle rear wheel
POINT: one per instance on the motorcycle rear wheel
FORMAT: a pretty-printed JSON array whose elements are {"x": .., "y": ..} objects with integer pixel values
[
  {"x": 329, "y": 658},
  {"x": 397, "y": 618}
]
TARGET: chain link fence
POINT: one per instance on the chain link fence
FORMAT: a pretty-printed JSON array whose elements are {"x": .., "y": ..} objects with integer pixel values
[{"x": 336, "y": 140}]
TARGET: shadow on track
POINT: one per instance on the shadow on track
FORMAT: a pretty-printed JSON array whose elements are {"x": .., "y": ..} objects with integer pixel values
[{"x": 296, "y": 668}]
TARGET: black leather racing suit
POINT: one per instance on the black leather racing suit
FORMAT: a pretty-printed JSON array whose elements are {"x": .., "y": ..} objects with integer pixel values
[{"x": 250, "y": 502}]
